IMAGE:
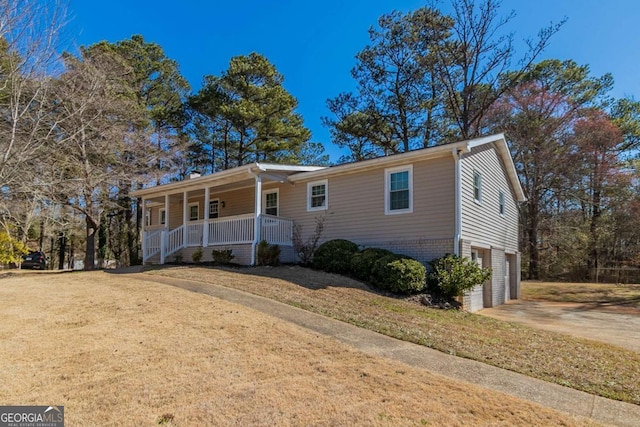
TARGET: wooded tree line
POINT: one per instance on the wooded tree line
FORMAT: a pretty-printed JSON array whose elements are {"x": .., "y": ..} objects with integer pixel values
[{"x": 82, "y": 129}]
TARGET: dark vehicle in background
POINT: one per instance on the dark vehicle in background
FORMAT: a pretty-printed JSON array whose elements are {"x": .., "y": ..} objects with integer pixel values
[{"x": 35, "y": 260}]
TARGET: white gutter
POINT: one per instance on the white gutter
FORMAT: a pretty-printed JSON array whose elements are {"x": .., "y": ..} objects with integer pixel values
[{"x": 458, "y": 201}]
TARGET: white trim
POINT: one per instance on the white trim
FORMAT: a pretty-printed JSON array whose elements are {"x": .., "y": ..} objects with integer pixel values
[
  {"x": 264, "y": 200},
  {"x": 227, "y": 176},
  {"x": 160, "y": 212},
  {"x": 387, "y": 189},
  {"x": 189, "y": 206},
  {"x": 310, "y": 186}
]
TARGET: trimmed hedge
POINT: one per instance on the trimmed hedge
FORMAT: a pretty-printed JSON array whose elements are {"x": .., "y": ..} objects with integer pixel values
[
  {"x": 334, "y": 256},
  {"x": 362, "y": 262},
  {"x": 378, "y": 267},
  {"x": 400, "y": 274}
]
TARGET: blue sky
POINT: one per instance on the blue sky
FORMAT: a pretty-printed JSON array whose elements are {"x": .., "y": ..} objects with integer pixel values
[{"x": 313, "y": 43}]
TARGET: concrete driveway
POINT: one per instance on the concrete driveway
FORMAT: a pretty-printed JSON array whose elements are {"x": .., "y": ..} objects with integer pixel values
[{"x": 621, "y": 329}]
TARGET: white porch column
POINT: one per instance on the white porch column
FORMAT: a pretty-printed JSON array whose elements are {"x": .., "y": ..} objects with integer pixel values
[
  {"x": 185, "y": 217},
  {"x": 163, "y": 245},
  {"x": 144, "y": 228},
  {"x": 256, "y": 223},
  {"x": 163, "y": 233},
  {"x": 205, "y": 225},
  {"x": 166, "y": 211}
]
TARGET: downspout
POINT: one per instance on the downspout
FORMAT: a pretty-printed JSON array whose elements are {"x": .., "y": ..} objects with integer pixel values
[
  {"x": 458, "y": 201},
  {"x": 258, "y": 212}
]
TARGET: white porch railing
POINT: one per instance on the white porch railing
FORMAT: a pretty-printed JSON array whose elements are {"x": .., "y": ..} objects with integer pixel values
[
  {"x": 194, "y": 233},
  {"x": 153, "y": 241},
  {"x": 174, "y": 241},
  {"x": 231, "y": 230},
  {"x": 276, "y": 230}
]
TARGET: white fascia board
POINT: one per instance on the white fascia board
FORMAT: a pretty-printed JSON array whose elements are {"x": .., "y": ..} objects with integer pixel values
[
  {"x": 226, "y": 176},
  {"x": 266, "y": 167}
]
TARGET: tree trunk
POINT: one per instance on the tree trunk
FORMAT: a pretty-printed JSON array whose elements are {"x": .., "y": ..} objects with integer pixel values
[
  {"x": 62, "y": 250},
  {"x": 532, "y": 232},
  {"x": 41, "y": 242},
  {"x": 102, "y": 244},
  {"x": 90, "y": 246}
]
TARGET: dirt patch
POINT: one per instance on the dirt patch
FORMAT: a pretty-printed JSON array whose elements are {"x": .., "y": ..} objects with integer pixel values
[{"x": 137, "y": 353}]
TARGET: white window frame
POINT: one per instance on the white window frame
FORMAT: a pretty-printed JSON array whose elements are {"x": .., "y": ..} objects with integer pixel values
[
  {"x": 501, "y": 203},
  {"x": 264, "y": 200},
  {"x": 147, "y": 217},
  {"x": 478, "y": 199},
  {"x": 189, "y": 206},
  {"x": 387, "y": 189},
  {"x": 211, "y": 203},
  {"x": 310, "y": 186},
  {"x": 161, "y": 220}
]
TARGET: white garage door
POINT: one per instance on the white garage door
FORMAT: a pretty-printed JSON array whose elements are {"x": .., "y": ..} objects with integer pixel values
[{"x": 476, "y": 294}]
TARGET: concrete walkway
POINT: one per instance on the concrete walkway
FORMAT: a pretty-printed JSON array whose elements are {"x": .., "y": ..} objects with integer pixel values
[{"x": 551, "y": 395}]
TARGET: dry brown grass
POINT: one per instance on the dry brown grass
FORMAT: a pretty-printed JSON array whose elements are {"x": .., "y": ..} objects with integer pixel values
[
  {"x": 596, "y": 368},
  {"x": 603, "y": 295},
  {"x": 119, "y": 351}
]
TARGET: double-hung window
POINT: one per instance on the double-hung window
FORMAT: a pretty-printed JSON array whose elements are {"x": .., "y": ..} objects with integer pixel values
[
  {"x": 214, "y": 209},
  {"x": 477, "y": 187},
  {"x": 317, "y": 195},
  {"x": 194, "y": 213},
  {"x": 270, "y": 202},
  {"x": 398, "y": 190}
]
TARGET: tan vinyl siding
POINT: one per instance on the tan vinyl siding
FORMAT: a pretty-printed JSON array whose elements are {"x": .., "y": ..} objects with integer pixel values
[
  {"x": 356, "y": 205},
  {"x": 482, "y": 223}
]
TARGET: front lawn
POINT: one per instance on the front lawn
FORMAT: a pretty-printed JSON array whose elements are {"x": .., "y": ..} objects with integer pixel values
[
  {"x": 115, "y": 350},
  {"x": 593, "y": 367}
]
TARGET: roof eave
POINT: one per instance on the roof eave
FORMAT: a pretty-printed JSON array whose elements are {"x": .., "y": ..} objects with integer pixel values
[{"x": 227, "y": 176}]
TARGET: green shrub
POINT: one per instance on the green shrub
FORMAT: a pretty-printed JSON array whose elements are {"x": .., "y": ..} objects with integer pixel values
[
  {"x": 223, "y": 256},
  {"x": 334, "y": 256},
  {"x": 11, "y": 249},
  {"x": 268, "y": 254},
  {"x": 400, "y": 274},
  {"x": 197, "y": 255},
  {"x": 362, "y": 262},
  {"x": 453, "y": 275}
]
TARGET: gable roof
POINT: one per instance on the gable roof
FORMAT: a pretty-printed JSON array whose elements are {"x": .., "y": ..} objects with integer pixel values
[
  {"x": 461, "y": 147},
  {"x": 294, "y": 173}
]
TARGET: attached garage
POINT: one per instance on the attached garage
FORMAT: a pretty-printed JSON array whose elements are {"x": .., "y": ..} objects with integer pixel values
[{"x": 480, "y": 296}]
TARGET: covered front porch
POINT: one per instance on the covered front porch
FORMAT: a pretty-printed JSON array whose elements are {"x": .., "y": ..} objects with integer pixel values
[
  {"x": 160, "y": 242},
  {"x": 235, "y": 209}
]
